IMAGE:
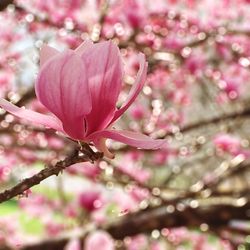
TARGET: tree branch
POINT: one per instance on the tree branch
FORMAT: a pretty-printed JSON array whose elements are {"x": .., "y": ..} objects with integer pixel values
[
  {"x": 27, "y": 183},
  {"x": 5, "y": 3},
  {"x": 159, "y": 217},
  {"x": 214, "y": 120}
]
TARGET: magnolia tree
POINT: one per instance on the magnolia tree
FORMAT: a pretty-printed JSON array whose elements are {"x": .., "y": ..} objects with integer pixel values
[{"x": 125, "y": 124}]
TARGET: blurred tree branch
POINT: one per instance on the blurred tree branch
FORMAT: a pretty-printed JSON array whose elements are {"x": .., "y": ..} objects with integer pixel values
[
  {"x": 5, "y": 3},
  {"x": 50, "y": 170},
  {"x": 159, "y": 217},
  {"x": 214, "y": 216},
  {"x": 244, "y": 112}
]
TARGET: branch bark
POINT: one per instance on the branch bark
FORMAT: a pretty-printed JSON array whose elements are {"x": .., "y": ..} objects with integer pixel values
[
  {"x": 159, "y": 218},
  {"x": 215, "y": 120},
  {"x": 5, "y": 3},
  {"x": 50, "y": 170}
]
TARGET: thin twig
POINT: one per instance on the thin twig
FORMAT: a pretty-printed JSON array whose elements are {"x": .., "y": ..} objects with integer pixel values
[
  {"x": 214, "y": 120},
  {"x": 27, "y": 183}
]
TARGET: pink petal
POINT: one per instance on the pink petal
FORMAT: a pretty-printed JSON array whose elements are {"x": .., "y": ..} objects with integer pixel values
[
  {"x": 135, "y": 90},
  {"x": 87, "y": 44},
  {"x": 47, "y": 53},
  {"x": 32, "y": 116},
  {"x": 131, "y": 138},
  {"x": 62, "y": 87},
  {"x": 104, "y": 69}
]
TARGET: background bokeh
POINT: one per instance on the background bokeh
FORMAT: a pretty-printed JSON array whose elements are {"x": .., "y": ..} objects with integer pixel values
[{"x": 192, "y": 194}]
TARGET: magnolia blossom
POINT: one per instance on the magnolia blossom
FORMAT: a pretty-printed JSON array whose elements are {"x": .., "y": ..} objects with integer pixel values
[{"x": 80, "y": 88}]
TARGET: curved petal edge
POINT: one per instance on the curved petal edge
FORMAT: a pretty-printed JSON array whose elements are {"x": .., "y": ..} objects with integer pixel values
[
  {"x": 47, "y": 53},
  {"x": 130, "y": 138},
  {"x": 35, "y": 117},
  {"x": 136, "y": 88}
]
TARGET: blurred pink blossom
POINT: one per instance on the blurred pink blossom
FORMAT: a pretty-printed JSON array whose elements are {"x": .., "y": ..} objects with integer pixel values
[
  {"x": 87, "y": 200},
  {"x": 87, "y": 169},
  {"x": 54, "y": 229},
  {"x": 137, "y": 242},
  {"x": 73, "y": 244},
  {"x": 138, "y": 173},
  {"x": 99, "y": 240},
  {"x": 227, "y": 143}
]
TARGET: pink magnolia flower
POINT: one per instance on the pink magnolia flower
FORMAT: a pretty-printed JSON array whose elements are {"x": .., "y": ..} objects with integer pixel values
[{"x": 80, "y": 88}]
